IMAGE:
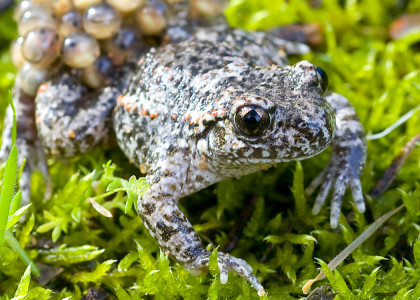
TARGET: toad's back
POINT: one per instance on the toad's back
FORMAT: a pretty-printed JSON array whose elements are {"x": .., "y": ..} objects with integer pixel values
[{"x": 176, "y": 92}]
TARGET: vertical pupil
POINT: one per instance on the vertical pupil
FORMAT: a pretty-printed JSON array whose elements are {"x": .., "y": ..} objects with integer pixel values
[{"x": 251, "y": 120}]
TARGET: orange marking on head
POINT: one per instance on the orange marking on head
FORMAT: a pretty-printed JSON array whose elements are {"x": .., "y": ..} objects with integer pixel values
[
  {"x": 120, "y": 100},
  {"x": 127, "y": 107},
  {"x": 144, "y": 112},
  {"x": 199, "y": 119},
  {"x": 154, "y": 115},
  {"x": 38, "y": 119},
  {"x": 134, "y": 106},
  {"x": 72, "y": 134},
  {"x": 187, "y": 117},
  {"x": 42, "y": 88},
  {"x": 191, "y": 122},
  {"x": 214, "y": 113},
  {"x": 173, "y": 117}
]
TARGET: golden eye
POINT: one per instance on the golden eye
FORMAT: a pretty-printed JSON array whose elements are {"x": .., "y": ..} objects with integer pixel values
[{"x": 252, "y": 120}]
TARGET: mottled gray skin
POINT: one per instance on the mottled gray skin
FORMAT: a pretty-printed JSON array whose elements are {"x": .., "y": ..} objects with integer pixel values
[
  {"x": 27, "y": 141},
  {"x": 179, "y": 120}
]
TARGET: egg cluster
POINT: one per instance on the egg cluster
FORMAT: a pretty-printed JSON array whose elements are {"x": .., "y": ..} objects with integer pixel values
[{"x": 94, "y": 36}]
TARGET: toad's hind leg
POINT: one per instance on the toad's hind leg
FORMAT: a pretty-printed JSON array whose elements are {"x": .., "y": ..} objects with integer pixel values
[
  {"x": 27, "y": 141},
  {"x": 346, "y": 163},
  {"x": 158, "y": 208},
  {"x": 72, "y": 120}
]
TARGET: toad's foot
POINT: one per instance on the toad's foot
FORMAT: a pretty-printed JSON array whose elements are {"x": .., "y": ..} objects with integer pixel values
[
  {"x": 346, "y": 163},
  {"x": 227, "y": 263}
]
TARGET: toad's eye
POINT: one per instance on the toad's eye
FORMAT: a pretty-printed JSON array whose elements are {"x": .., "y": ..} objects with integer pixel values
[
  {"x": 324, "y": 78},
  {"x": 252, "y": 120}
]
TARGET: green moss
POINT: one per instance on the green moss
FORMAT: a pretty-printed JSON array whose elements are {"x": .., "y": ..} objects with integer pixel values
[{"x": 281, "y": 239}]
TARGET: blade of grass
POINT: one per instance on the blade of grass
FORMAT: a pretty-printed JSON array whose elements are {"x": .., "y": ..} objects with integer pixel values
[
  {"x": 14, "y": 244},
  {"x": 352, "y": 246},
  {"x": 7, "y": 189},
  {"x": 16, "y": 201}
]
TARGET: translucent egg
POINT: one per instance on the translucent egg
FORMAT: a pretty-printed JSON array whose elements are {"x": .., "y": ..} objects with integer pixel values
[
  {"x": 61, "y": 7},
  {"x": 84, "y": 4},
  {"x": 101, "y": 20},
  {"x": 36, "y": 17},
  {"x": 45, "y": 2},
  {"x": 16, "y": 52},
  {"x": 22, "y": 7},
  {"x": 30, "y": 78},
  {"x": 98, "y": 74},
  {"x": 207, "y": 8},
  {"x": 79, "y": 50},
  {"x": 125, "y": 6},
  {"x": 151, "y": 18},
  {"x": 122, "y": 46},
  {"x": 41, "y": 47},
  {"x": 70, "y": 22}
]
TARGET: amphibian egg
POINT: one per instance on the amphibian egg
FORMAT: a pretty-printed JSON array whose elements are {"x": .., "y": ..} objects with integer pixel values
[
  {"x": 16, "y": 52},
  {"x": 151, "y": 18},
  {"x": 101, "y": 20},
  {"x": 125, "y": 6},
  {"x": 96, "y": 74},
  {"x": 22, "y": 7},
  {"x": 207, "y": 8},
  {"x": 84, "y": 4},
  {"x": 31, "y": 78},
  {"x": 41, "y": 46},
  {"x": 70, "y": 22},
  {"x": 122, "y": 46},
  {"x": 61, "y": 7},
  {"x": 79, "y": 50},
  {"x": 36, "y": 16}
]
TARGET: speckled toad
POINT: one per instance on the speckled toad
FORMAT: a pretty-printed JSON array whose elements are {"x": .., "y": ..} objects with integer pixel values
[{"x": 221, "y": 103}]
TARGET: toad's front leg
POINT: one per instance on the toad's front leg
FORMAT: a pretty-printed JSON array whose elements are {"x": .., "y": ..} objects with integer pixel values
[
  {"x": 158, "y": 208},
  {"x": 346, "y": 163}
]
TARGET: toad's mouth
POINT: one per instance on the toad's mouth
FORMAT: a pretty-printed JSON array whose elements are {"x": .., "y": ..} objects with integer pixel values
[{"x": 271, "y": 156}]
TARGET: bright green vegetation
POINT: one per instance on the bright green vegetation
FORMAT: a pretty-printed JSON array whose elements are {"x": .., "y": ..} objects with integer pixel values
[{"x": 282, "y": 239}]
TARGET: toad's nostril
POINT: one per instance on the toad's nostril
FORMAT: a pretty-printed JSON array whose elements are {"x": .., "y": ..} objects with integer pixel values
[{"x": 305, "y": 66}]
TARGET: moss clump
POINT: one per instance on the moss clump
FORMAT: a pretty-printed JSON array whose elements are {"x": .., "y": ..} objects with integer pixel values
[{"x": 81, "y": 248}]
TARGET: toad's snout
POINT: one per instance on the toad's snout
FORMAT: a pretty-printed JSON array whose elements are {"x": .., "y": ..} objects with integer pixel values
[{"x": 304, "y": 74}]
